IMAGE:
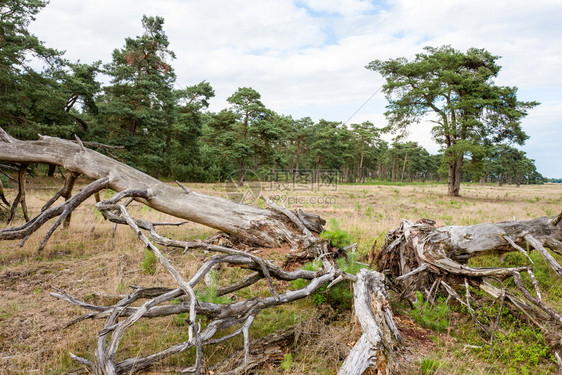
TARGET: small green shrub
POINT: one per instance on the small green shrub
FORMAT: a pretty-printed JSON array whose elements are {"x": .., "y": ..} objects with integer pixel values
[
  {"x": 339, "y": 237},
  {"x": 180, "y": 319},
  {"x": 210, "y": 293},
  {"x": 434, "y": 317},
  {"x": 429, "y": 366},
  {"x": 319, "y": 297},
  {"x": 287, "y": 363},
  {"x": 340, "y": 296},
  {"x": 350, "y": 263},
  {"x": 149, "y": 262}
]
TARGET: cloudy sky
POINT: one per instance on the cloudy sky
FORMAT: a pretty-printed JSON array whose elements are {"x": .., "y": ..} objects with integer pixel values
[{"x": 307, "y": 57}]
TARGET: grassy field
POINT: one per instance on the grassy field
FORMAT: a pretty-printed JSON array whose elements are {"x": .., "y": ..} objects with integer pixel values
[{"x": 84, "y": 261}]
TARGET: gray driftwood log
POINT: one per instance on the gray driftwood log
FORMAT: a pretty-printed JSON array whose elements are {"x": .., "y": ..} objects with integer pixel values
[
  {"x": 420, "y": 257},
  {"x": 252, "y": 224},
  {"x": 376, "y": 347}
]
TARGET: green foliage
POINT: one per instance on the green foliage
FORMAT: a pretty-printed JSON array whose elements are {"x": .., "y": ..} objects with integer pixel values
[
  {"x": 32, "y": 95},
  {"x": 350, "y": 263},
  {"x": 429, "y": 366},
  {"x": 504, "y": 163},
  {"x": 275, "y": 320},
  {"x": 244, "y": 136},
  {"x": 181, "y": 319},
  {"x": 340, "y": 296},
  {"x": 149, "y": 262},
  {"x": 434, "y": 317},
  {"x": 332, "y": 136},
  {"x": 209, "y": 294},
  {"x": 137, "y": 109},
  {"x": 339, "y": 237},
  {"x": 520, "y": 348},
  {"x": 516, "y": 344},
  {"x": 287, "y": 362},
  {"x": 140, "y": 109}
]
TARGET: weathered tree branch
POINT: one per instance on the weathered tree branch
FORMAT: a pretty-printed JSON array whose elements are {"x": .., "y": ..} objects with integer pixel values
[
  {"x": 2, "y": 196},
  {"x": 62, "y": 211},
  {"x": 20, "y": 197},
  {"x": 376, "y": 346},
  {"x": 65, "y": 191}
]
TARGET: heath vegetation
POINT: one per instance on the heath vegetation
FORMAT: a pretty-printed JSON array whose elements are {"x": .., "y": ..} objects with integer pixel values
[{"x": 91, "y": 262}]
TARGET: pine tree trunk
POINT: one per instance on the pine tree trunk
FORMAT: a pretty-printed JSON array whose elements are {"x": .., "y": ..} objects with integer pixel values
[
  {"x": 51, "y": 171},
  {"x": 241, "y": 173},
  {"x": 297, "y": 165},
  {"x": 455, "y": 175}
]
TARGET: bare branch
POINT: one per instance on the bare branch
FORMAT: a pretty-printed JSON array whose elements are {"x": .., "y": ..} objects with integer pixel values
[
  {"x": 554, "y": 221},
  {"x": 65, "y": 191},
  {"x": 20, "y": 197},
  {"x": 471, "y": 310},
  {"x": 185, "y": 188},
  {"x": 518, "y": 248},
  {"x": 544, "y": 253},
  {"x": 421, "y": 268},
  {"x": 2, "y": 197},
  {"x": 61, "y": 210},
  {"x": 497, "y": 323},
  {"x": 80, "y": 143}
]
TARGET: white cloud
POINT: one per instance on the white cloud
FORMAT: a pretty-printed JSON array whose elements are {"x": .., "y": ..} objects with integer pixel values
[
  {"x": 544, "y": 144},
  {"x": 344, "y": 8}
]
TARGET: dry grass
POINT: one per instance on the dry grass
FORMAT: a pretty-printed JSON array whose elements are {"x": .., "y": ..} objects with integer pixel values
[{"x": 83, "y": 262}]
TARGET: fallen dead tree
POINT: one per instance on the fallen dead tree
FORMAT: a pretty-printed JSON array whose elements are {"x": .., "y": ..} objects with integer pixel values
[
  {"x": 253, "y": 225},
  {"x": 421, "y": 257}
]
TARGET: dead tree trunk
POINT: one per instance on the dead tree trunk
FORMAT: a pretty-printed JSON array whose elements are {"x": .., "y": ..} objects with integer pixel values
[
  {"x": 251, "y": 224},
  {"x": 421, "y": 257},
  {"x": 375, "y": 348}
]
